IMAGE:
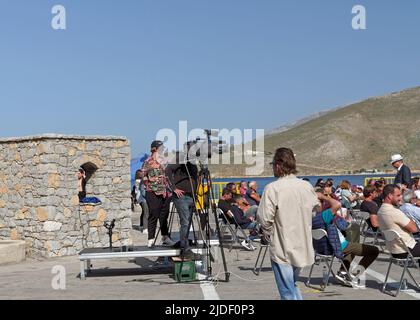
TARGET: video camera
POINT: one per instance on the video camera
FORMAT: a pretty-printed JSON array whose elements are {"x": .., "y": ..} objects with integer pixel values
[{"x": 204, "y": 149}]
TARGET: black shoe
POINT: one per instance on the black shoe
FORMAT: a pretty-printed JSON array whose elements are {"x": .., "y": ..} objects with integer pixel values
[
  {"x": 343, "y": 278},
  {"x": 189, "y": 255}
]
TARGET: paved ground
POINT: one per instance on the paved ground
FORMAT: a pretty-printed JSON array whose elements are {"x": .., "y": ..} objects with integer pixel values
[{"x": 152, "y": 279}]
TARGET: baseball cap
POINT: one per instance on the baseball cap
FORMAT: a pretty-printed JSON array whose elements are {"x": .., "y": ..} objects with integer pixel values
[{"x": 156, "y": 144}]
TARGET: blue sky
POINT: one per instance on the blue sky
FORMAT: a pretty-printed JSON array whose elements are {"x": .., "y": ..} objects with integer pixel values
[{"x": 133, "y": 67}]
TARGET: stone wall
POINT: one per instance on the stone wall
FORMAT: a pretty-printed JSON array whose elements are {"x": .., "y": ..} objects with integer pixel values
[{"x": 39, "y": 199}]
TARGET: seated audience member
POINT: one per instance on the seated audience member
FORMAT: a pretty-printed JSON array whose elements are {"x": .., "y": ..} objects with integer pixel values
[
  {"x": 250, "y": 211},
  {"x": 409, "y": 207},
  {"x": 348, "y": 199},
  {"x": 379, "y": 185},
  {"x": 417, "y": 193},
  {"x": 319, "y": 182},
  {"x": 232, "y": 187},
  {"x": 326, "y": 189},
  {"x": 245, "y": 222},
  {"x": 415, "y": 183},
  {"x": 243, "y": 188},
  {"x": 348, "y": 250},
  {"x": 359, "y": 193},
  {"x": 331, "y": 182},
  {"x": 369, "y": 205},
  {"x": 225, "y": 204},
  {"x": 391, "y": 218},
  {"x": 252, "y": 196}
]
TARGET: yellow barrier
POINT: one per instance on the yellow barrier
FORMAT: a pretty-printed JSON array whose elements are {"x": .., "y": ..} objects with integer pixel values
[{"x": 388, "y": 180}]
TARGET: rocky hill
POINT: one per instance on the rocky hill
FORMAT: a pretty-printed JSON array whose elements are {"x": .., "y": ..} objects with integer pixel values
[{"x": 352, "y": 138}]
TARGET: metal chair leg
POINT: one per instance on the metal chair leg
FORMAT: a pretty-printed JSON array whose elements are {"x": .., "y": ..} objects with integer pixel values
[
  {"x": 329, "y": 272},
  {"x": 412, "y": 278},
  {"x": 402, "y": 278},
  {"x": 256, "y": 262},
  {"x": 257, "y": 270},
  {"x": 387, "y": 276},
  {"x": 308, "y": 281}
]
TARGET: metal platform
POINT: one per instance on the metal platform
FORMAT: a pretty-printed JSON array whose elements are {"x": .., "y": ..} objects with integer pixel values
[{"x": 87, "y": 255}]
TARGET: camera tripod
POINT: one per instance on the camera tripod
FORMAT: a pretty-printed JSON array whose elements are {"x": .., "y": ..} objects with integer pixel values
[{"x": 209, "y": 207}]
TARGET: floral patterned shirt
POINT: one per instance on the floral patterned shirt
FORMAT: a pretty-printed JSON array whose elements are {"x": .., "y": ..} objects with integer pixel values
[{"x": 154, "y": 177}]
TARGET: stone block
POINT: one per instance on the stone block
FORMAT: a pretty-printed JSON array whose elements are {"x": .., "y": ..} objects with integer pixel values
[
  {"x": 12, "y": 251},
  {"x": 51, "y": 226},
  {"x": 53, "y": 180}
]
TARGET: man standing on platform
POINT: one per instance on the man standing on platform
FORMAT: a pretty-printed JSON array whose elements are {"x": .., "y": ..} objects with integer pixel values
[
  {"x": 183, "y": 176},
  {"x": 403, "y": 176}
]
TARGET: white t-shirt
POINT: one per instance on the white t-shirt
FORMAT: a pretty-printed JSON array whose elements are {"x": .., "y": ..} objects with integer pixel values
[{"x": 391, "y": 218}]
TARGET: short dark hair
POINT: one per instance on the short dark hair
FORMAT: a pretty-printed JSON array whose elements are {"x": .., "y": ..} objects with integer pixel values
[
  {"x": 368, "y": 191},
  {"x": 389, "y": 189},
  {"x": 237, "y": 197},
  {"x": 226, "y": 191},
  {"x": 231, "y": 185},
  {"x": 415, "y": 180},
  {"x": 378, "y": 184},
  {"x": 285, "y": 158}
]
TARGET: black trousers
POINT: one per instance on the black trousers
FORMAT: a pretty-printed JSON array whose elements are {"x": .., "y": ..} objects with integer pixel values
[
  {"x": 158, "y": 210},
  {"x": 415, "y": 252}
]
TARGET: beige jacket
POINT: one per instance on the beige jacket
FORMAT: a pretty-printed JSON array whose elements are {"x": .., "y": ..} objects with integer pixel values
[{"x": 286, "y": 211}]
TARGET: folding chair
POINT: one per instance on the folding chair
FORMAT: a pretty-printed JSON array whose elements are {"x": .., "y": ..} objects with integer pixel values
[
  {"x": 355, "y": 214},
  {"x": 392, "y": 235},
  {"x": 234, "y": 231},
  {"x": 363, "y": 216},
  {"x": 318, "y": 234},
  {"x": 250, "y": 245},
  {"x": 224, "y": 224},
  {"x": 365, "y": 230}
]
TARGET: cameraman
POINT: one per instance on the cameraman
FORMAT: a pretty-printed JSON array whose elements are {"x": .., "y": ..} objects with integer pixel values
[{"x": 183, "y": 176}]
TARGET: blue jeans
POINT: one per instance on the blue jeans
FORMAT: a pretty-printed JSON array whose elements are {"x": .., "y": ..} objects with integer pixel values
[
  {"x": 184, "y": 207},
  {"x": 286, "y": 277}
]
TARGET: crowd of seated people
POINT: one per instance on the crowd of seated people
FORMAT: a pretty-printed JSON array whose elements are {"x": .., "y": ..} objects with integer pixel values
[{"x": 240, "y": 206}]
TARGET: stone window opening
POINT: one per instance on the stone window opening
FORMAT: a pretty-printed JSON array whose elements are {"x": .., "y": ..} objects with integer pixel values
[{"x": 90, "y": 169}]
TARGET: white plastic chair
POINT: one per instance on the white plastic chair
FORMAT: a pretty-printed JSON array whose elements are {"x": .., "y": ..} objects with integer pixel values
[{"x": 392, "y": 235}]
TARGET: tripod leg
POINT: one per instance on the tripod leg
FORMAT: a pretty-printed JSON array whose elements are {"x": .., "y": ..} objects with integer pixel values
[{"x": 171, "y": 219}]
